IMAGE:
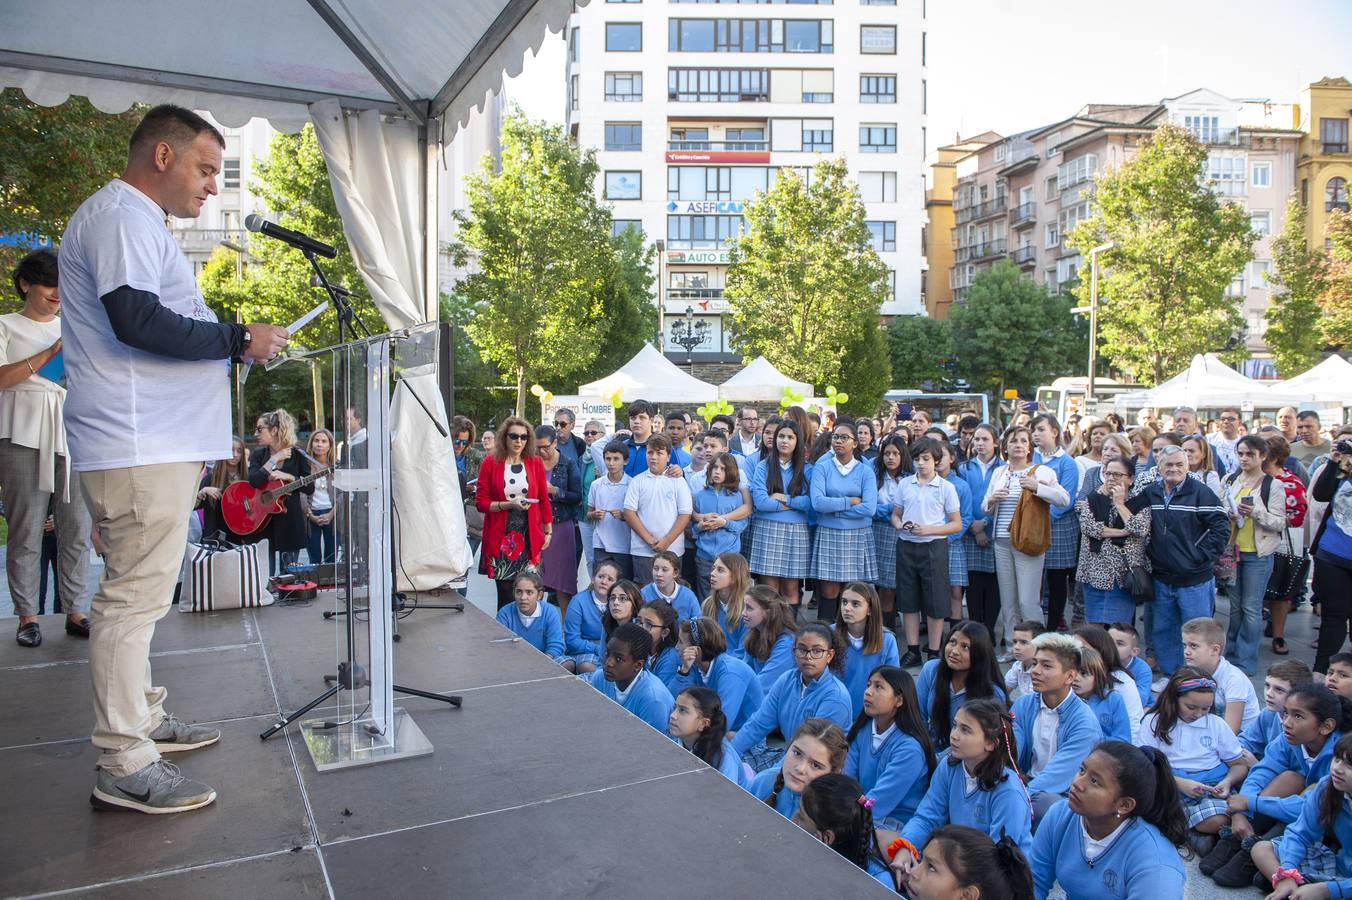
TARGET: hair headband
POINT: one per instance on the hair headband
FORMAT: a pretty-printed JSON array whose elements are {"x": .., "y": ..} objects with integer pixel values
[
  {"x": 694, "y": 631},
  {"x": 1195, "y": 684}
]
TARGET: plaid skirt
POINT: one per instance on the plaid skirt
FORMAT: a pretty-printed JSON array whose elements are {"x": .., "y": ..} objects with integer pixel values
[
  {"x": 979, "y": 559},
  {"x": 781, "y": 549},
  {"x": 1064, "y": 553},
  {"x": 746, "y": 539},
  {"x": 844, "y": 554},
  {"x": 762, "y": 757},
  {"x": 1320, "y": 863},
  {"x": 1199, "y": 809},
  {"x": 957, "y": 564},
  {"x": 885, "y": 553}
]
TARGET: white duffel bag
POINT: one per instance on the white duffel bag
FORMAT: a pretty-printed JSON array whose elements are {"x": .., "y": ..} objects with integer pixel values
[{"x": 220, "y": 575}]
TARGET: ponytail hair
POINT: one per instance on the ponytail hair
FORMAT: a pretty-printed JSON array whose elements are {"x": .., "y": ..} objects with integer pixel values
[
  {"x": 1185, "y": 680},
  {"x": 837, "y": 803},
  {"x": 997, "y": 869},
  {"x": 831, "y": 737},
  {"x": 1144, "y": 775},
  {"x": 1324, "y": 704},
  {"x": 997, "y": 725},
  {"x": 709, "y": 745}
]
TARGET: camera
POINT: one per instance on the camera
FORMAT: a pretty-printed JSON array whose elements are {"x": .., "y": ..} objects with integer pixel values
[{"x": 1344, "y": 447}]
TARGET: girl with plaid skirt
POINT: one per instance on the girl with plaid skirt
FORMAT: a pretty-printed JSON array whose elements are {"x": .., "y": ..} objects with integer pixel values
[
  {"x": 957, "y": 551},
  {"x": 1318, "y": 847},
  {"x": 781, "y": 542},
  {"x": 983, "y": 589},
  {"x": 1064, "y": 553},
  {"x": 892, "y": 464},
  {"x": 844, "y": 496}
]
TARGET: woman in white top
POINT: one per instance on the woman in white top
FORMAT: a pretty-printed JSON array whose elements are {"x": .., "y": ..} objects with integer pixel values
[
  {"x": 34, "y": 463},
  {"x": 321, "y": 543},
  {"x": 1200, "y": 461},
  {"x": 1019, "y": 575}
]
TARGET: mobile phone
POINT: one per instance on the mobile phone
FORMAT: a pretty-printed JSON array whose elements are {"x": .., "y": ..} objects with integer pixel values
[
  {"x": 904, "y": 410},
  {"x": 1030, "y": 406},
  {"x": 1344, "y": 447}
]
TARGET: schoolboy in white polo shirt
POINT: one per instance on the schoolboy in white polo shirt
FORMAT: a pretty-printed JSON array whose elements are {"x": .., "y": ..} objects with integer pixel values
[
  {"x": 657, "y": 509},
  {"x": 1204, "y": 649},
  {"x": 925, "y": 511}
]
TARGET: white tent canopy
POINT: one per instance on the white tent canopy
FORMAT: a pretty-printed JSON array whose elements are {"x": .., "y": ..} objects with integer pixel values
[
  {"x": 651, "y": 376},
  {"x": 1327, "y": 382},
  {"x": 1205, "y": 384},
  {"x": 761, "y": 382}
]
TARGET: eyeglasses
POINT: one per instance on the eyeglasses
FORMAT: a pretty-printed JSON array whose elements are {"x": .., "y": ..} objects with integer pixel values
[
  {"x": 592, "y": 433},
  {"x": 562, "y": 423},
  {"x": 461, "y": 442},
  {"x": 842, "y": 436},
  {"x": 517, "y": 436},
  {"x": 810, "y": 652}
]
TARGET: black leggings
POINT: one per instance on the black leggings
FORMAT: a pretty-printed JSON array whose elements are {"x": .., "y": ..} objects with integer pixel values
[
  {"x": 1332, "y": 589},
  {"x": 506, "y": 592},
  {"x": 983, "y": 599},
  {"x": 1058, "y": 590}
]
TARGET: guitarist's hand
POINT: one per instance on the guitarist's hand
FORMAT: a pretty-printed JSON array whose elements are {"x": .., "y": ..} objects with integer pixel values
[
  {"x": 283, "y": 477},
  {"x": 210, "y": 493},
  {"x": 265, "y": 342}
]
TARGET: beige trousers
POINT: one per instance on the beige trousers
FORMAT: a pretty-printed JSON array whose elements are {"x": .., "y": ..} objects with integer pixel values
[{"x": 142, "y": 517}]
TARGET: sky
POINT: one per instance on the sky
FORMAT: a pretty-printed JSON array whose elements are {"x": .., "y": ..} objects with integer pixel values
[{"x": 1012, "y": 65}]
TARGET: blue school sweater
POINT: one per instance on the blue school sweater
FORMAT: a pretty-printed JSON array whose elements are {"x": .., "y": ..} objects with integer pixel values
[
  {"x": 1067, "y": 475},
  {"x": 638, "y": 458},
  {"x": 893, "y": 776},
  {"x": 1307, "y": 832},
  {"x": 582, "y": 628},
  {"x": 977, "y": 484},
  {"x": 1140, "y": 863},
  {"x": 648, "y": 697},
  {"x": 1112, "y": 716},
  {"x": 1076, "y": 735},
  {"x": 948, "y": 802},
  {"x": 664, "y": 666},
  {"x": 1139, "y": 670},
  {"x": 881, "y": 873},
  {"x": 685, "y": 603},
  {"x": 1280, "y": 757},
  {"x": 786, "y": 803},
  {"x": 831, "y": 492},
  {"x": 730, "y": 766},
  {"x": 728, "y": 539},
  {"x": 924, "y": 695},
  {"x": 858, "y": 664},
  {"x": 964, "y": 503},
  {"x": 739, "y": 690},
  {"x": 770, "y": 510},
  {"x": 736, "y": 635},
  {"x": 790, "y": 702},
  {"x": 544, "y": 634},
  {"x": 1262, "y": 731},
  {"x": 777, "y": 663}
]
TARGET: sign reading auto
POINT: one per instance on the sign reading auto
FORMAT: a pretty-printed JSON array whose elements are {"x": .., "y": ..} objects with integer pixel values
[
  {"x": 705, "y": 206},
  {"x": 718, "y": 156}
]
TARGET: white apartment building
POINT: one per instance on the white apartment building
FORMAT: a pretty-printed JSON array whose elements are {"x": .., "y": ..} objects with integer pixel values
[{"x": 695, "y": 105}]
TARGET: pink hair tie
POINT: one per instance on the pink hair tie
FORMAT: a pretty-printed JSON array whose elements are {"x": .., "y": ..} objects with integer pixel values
[{"x": 866, "y": 802}]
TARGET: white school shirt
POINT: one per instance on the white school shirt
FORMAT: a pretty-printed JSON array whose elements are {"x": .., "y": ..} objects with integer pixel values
[
  {"x": 610, "y": 533},
  {"x": 528, "y": 620},
  {"x": 925, "y": 504},
  {"x": 659, "y": 501},
  {"x": 1232, "y": 686},
  {"x": 1018, "y": 682},
  {"x": 127, "y": 407},
  {"x": 1094, "y": 849},
  {"x": 1044, "y": 734},
  {"x": 1194, "y": 746},
  {"x": 1125, "y": 687},
  {"x": 880, "y": 739}
]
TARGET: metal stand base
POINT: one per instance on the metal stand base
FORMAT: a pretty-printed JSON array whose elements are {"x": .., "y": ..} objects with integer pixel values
[{"x": 358, "y": 744}]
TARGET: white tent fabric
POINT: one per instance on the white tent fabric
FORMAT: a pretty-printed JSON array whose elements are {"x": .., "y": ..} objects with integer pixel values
[
  {"x": 651, "y": 376},
  {"x": 1206, "y": 383},
  {"x": 760, "y": 382},
  {"x": 1329, "y": 381}
]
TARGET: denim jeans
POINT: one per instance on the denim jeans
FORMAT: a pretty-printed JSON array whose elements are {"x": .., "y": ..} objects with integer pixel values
[
  {"x": 321, "y": 544},
  {"x": 1246, "y": 611},
  {"x": 1110, "y": 606},
  {"x": 1172, "y": 607}
]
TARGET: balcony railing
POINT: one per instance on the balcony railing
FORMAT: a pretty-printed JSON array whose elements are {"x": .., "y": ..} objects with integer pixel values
[
  {"x": 974, "y": 252},
  {"x": 692, "y": 294},
  {"x": 719, "y": 145},
  {"x": 1023, "y": 214},
  {"x": 206, "y": 240},
  {"x": 1330, "y": 148},
  {"x": 991, "y": 208},
  {"x": 1024, "y": 256}
]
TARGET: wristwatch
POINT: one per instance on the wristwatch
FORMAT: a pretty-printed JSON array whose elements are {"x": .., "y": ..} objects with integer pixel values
[{"x": 248, "y": 339}]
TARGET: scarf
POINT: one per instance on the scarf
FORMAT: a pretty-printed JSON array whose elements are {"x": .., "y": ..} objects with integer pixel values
[{"x": 1105, "y": 511}]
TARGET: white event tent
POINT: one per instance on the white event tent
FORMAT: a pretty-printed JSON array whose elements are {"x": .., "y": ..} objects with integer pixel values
[
  {"x": 385, "y": 82},
  {"x": 1206, "y": 384},
  {"x": 761, "y": 382},
  {"x": 1328, "y": 382},
  {"x": 651, "y": 376}
]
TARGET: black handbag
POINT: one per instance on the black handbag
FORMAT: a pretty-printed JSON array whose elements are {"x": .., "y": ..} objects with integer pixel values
[
  {"x": 1139, "y": 584},
  {"x": 1289, "y": 572}
]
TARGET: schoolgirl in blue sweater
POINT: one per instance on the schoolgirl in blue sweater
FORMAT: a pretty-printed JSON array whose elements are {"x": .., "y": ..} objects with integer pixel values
[
  {"x": 535, "y": 622},
  {"x": 966, "y": 671},
  {"x": 892, "y": 464},
  {"x": 705, "y": 662},
  {"x": 697, "y": 723},
  {"x": 817, "y": 748},
  {"x": 583, "y": 632},
  {"x": 812, "y": 690},
  {"x": 659, "y": 620},
  {"x": 665, "y": 586},
  {"x": 976, "y": 782},
  {"x": 1281, "y": 677},
  {"x": 722, "y": 495},
  {"x": 837, "y": 812},
  {"x": 1119, "y": 832},
  {"x": 729, "y": 580},
  {"x": 1095, "y": 688},
  {"x": 844, "y": 496},
  {"x": 859, "y": 628},
  {"x": 947, "y": 466},
  {"x": 623, "y": 679},
  {"x": 963, "y": 862},
  {"x": 890, "y": 751},
  {"x": 781, "y": 544},
  {"x": 1313, "y": 858},
  {"x": 771, "y": 627}
]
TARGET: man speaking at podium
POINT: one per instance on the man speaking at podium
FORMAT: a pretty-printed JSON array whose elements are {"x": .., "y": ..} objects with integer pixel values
[{"x": 147, "y": 368}]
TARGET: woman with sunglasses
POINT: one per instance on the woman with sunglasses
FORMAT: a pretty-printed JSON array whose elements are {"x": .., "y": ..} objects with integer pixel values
[{"x": 513, "y": 496}]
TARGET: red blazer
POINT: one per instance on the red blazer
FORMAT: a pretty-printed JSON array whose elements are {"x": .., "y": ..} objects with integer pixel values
[{"x": 492, "y": 489}]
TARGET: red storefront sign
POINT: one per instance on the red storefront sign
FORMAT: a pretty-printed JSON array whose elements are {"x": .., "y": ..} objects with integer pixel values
[{"x": 718, "y": 156}]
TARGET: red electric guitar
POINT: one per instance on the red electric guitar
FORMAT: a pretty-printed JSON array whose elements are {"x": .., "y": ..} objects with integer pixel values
[{"x": 246, "y": 509}]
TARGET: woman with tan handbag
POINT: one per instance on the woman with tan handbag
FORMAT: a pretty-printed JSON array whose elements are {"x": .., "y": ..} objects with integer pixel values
[{"x": 1021, "y": 491}]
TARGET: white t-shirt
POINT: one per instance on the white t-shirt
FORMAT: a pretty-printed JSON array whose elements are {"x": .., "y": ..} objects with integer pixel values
[
  {"x": 659, "y": 502},
  {"x": 1232, "y": 686},
  {"x": 1044, "y": 733},
  {"x": 1196, "y": 746},
  {"x": 1125, "y": 687},
  {"x": 925, "y": 504},
  {"x": 610, "y": 533},
  {"x": 127, "y": 407},
  {"x": 30, "y": 411}
]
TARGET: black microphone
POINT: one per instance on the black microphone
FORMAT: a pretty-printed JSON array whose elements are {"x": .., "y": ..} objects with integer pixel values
[
  {"x": 336, "y": 288},
  {"x": 255, "y": 222}
]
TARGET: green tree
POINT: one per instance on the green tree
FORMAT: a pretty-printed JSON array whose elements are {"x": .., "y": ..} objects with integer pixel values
[
  {"x": 1011, "y": 332},
  {"x": 804, "y": 284},
  {"x": 1162, "y": 288},
  {"x": 478, "y": 390},
  {"x": 539, "y": 242},
  {"x": 921, "y": 350},
  {"x": 51, "y": 159},
  {"x": 1298, "y": 278},
  {"x": 866, "y": 371},
  {"x": 627, "y": 308},
  {"x": 1336, "y": 299}
]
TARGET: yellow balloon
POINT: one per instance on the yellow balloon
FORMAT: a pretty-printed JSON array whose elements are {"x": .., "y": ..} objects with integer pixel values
[
  {"x": 830, "y": 389},
  {"x": 536, "y": 390},
  {"x": 842, "y": 398},
  {"x": 547, "y": 397}
]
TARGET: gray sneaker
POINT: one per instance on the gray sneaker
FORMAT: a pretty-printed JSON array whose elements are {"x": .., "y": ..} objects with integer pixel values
[
  {"x": 156, "y": 789},
  {"x": 174, "y": 735}
]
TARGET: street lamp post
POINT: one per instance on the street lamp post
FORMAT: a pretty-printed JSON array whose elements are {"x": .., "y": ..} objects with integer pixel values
[
  {"x": 239, "y": 252},
  {"x": 689, "y": 334},
  {"x": 661, "y": 292}
]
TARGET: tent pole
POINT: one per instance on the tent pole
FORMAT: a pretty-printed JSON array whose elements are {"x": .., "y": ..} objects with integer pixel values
[{"x": 430, "y": 144}]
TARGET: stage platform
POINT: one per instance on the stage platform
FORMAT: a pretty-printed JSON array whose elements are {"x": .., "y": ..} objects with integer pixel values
[{"x": 538, "y": 786}]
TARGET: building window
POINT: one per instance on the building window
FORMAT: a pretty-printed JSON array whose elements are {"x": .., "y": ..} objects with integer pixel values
[
  {"x": 574, "y": 41},
  {"x": 878, "y": 187},
  {"x": 624, "y": 87},
  {"x": 702, "y": 232},
  {"x": 751, "y": 35},
  {"x": 624, "y": 1},
  {"x": 624, "y": 37},
  {"x": 624, "y": 185},
  {"x": 1050, "y": 191},
  {"x": 877, "y": 139},
  {"x": 1205, "y": 129},
  {"x": 1001, "y": 152},
  {"x": 878, "y": 39},
  {"x": 1333, "y": 135},
  {"x": 1262, "y": 269},
  {"x": 718, "y": 85},
  {"x": 1226, "y": 173},
  {"x": 818, "y": 137},
  {"x": 1262, "y": 175},
  {"x": 735, "y": 183},
  {"x": 1261, "y": 223},
  {"x": 230, "y": 174},
  {"x": 1335, "y": 195},
  {"x": 624, "y": 136},
  {"x": 877, "y": 89},
  {"x": 809, "y": 36},
  {"x": 572, "y": 93},
  {"x": 884, "y": 236},
  {"x": 878, "y": 2},
  {"x": 891, "y": 285},
  {"x": 620, "y": 226},
  {"x": 1052, "y": 238},
  {"x": 1053, "y": 144}
]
